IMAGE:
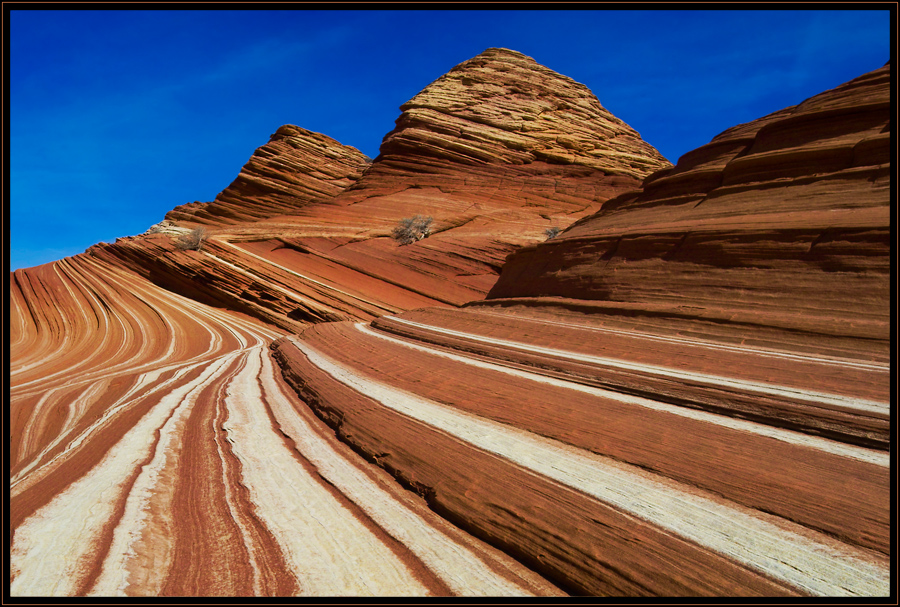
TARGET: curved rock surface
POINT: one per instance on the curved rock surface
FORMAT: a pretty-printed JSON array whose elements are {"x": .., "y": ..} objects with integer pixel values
[
  {"x": 503, "y": 107},
  {"x": 687, "y": 393},
  {"x": 501, "y": 132},
  {"x": 611, "y": 487},
  {"x": 542, "y": 152},
  {"x": 497, "y": 151},
  {"x": 625, "y": 396},
  {"x": 294, "y": 169},
  {"x": 162, "y": 427},
  {"x": 781, "y": 225}
]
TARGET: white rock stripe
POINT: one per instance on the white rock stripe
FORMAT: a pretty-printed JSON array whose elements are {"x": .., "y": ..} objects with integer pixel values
[
  {"x": 75, "y": 409},
  {"x": 28, "y": 476},
  {"x": 231, "y": 500},
  {"x": 29, "y": 427},
  {"x": 53, "y": 545},
  {"x": 293, "y": 295},
  {"x": 872, "y": 456},
  {"x": 328, "y": 549},
  {"x": 461, "y": 569},
  {"x": 848, "y": 402},
  {"x": 763, "y": 352},
  {"x": 114, "y": 576},
  {"x": 304, "y": 277},
  {"x": 822, "y": 567}
]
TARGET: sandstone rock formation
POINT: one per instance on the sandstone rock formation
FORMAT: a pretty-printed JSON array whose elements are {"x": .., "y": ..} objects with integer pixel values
[
  {"x": 503, "y": 108},
  {"x": 780, "y": 227},
  {"x": 670, "y": 384},
  {"x": 540, "y": 151},
  {"x": 496, "y": 151},
  {"x": 156, "y": 451},
  {"x": 294, "y": 169},
  {"x": 686, "y": 393},
  {"x": 511, "y": 427}
]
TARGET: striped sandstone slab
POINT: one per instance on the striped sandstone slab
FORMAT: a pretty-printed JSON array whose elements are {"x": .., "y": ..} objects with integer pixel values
[{"x": 174, "y": 461}]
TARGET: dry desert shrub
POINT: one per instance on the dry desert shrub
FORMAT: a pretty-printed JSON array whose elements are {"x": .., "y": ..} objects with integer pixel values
[
  {"x": 193, "y": 240},
  {"x": 552, "y": 232},
  {"x": 412, "y": 229}
]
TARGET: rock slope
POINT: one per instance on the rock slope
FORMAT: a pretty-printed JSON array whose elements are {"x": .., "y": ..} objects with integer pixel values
[
  {"x": 294, "y": 169},
  {"x": 503, "y": 108},
  {"x": 778, "y": 226},
  {"x": 497, "y": 151},
  {"x": 510, "y": 427},
  {"x": 687, "y": 393},
  {"x": 303, "y": 220},
  {"x": 156, "y": 451}
]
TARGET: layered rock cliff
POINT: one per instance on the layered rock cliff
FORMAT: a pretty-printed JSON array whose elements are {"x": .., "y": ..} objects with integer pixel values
[
  {"x": 698, "y": 370},
  {"x": 497, "y": 151},
  {"x": 503, "y": 108},
  {"x": 294, "y": 169},
  {"x": 687, "y": 393},
  {"x": 778, "y": 226},
  {"x": 540, "y": 152}
]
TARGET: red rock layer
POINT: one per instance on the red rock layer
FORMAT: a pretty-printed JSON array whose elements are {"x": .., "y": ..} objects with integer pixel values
[
  {"x": 156, "y": 451},
  {"x": 779, "y": 224},
  {"x": 687, "y": 393},
  {"x": 657, "y": 403},
  {"x": 610, "y": 491},
  {"x": 503, "y": 108},
  {"x": 294, "y": 169},
  {"x": 146, "y": 408},
  {"x": 497, "y": 150},
  {"x": 540, "y": 151}
]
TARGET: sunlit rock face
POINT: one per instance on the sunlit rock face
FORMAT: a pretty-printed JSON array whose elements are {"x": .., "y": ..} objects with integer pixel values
[
  {"x": 502, "y": 131},
  {"x": 497, "y": 151},
  {"x": 687, "y": 393},
  {"x": 156, "y": 450},
  {"x": 540, "y": 152},
  {"x": 294, "y": 169},
  {"x": 780, "y": 224},
  {"x": 502, "y": 107}
]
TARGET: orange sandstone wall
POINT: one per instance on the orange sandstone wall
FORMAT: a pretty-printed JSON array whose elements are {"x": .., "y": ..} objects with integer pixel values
[{"x": 781, "y": 222}]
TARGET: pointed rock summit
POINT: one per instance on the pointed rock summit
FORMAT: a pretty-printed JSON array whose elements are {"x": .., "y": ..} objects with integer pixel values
[
  {"x": 505, "y": 107},
  {"x": 295, "y": 168},
  {"x": 499, "y": 116},
  {"x": 500, "y": 152}
]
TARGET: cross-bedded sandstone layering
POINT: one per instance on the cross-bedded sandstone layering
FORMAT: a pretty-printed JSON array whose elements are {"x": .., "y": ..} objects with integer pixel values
[
  {"x": 296, "y": 168},
  {"x": 497, "y": 151},
  {"x": 776, "y": 232},
  {"x": 685, "y": 393}
]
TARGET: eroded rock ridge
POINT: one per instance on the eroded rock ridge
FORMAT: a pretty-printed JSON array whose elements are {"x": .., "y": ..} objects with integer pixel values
[
  {"x": 296, "y": 168},
  {"x": 686, "y": 393}
]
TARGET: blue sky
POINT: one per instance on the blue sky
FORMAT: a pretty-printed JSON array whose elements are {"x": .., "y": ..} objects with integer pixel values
[{"x": 118, "y": 116}]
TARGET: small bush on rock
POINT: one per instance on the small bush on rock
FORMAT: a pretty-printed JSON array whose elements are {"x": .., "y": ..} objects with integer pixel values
[
  {"x": 412, "y": 229},
  {"x": 193, "y": 240},
  {"x": 552, "y": 232}
]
